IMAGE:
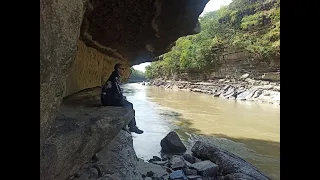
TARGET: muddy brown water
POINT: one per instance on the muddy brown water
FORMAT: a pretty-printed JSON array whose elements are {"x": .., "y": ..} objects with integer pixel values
[{"x": 250, "y": 130}]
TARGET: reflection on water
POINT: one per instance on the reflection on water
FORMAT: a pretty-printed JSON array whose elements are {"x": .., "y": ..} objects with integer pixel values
[{"x": 247, "y": 129}]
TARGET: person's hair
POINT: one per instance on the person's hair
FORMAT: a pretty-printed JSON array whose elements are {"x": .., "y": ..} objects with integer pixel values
[{"x": 116, "y": 66}]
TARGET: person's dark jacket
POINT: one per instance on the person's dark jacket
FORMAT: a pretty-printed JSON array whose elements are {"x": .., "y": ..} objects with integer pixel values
[{"x": 111, "y": 94}]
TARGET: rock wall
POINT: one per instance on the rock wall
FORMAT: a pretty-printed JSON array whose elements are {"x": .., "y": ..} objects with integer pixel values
[
  {"x": 117, "y": 161},
  {"x": 60, "y": 23},
  {"x": 235, "y": 63},
  {"x": 90, "y": 68}
]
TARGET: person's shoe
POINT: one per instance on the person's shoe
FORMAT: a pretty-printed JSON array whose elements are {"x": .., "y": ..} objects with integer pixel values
[{"x": 135, "y": 129}]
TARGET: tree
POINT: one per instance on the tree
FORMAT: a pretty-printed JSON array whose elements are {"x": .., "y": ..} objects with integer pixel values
[{"x": 251, "y": 25}]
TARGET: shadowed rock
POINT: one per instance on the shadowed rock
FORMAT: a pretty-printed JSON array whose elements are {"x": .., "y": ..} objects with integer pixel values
[
  {"x": 172, "y": 144},
  {"x": 82, "y": 128}
]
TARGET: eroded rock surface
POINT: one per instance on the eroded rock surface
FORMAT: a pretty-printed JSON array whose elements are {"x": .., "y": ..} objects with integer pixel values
[{"x": 82, "y": 128}]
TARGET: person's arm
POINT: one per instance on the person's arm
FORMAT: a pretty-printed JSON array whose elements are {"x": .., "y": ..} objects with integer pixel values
[{"x": 118, "y": 91}]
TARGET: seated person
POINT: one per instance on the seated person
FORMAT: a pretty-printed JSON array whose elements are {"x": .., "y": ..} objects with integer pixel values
[{"x": 111, "y": 95}]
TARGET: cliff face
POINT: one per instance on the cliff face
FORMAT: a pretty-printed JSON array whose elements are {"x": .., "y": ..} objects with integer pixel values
[
  {"x": 81, "y": 40},
  {"x": 90, "y": 68},
  {"x": 235, "y": 63}
]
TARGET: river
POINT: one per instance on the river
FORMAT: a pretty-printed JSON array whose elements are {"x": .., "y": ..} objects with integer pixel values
[{"x": 250, "y": 130}]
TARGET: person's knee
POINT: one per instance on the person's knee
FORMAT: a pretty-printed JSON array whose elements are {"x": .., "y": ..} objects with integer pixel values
[{"x": 128, "y": 104}]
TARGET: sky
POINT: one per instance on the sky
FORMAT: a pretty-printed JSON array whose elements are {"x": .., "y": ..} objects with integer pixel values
[{"x": 212, "y": 5}]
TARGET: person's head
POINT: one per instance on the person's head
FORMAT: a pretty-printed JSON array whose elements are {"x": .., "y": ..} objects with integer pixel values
[{"x": 119, "y": 68}]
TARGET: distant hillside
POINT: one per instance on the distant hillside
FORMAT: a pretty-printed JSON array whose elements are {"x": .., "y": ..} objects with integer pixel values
[{"x": 136, "y": 76}]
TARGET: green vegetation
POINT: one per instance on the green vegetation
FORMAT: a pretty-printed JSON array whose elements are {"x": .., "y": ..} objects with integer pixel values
[
  {"x": 136, "y": 75},
  {"x": 251, "y": 25}
]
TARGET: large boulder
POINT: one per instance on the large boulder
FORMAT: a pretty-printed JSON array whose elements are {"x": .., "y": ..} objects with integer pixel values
[
  {"x": 82, "y": 129},
  {"x": 117, "y": 161},
  {"x": 119, "y": 158},
  {"x": 231, "y": 166},
  {"x": 172, "y": 144}
]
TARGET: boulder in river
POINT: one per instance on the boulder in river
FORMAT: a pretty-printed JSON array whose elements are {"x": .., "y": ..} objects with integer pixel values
[
  {"x": 232, "y": 166},
  {"x": 172, "y": 144}
]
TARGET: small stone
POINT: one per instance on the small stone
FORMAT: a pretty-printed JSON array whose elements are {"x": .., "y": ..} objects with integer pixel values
[
  {"x": 206, "y": 168},
  {"x": 98, "y": 168},
  {"x": 156, "y": 158},
  {"x": 160, "y": 162},
  {"x": 148, "y": 178},
  {"x": 193, "y": 177},
  {"x": 208, "y": 178},
  {"x": 196, "y": 160},
  {"x": 187, "y": 163},
  {"x": 169, "y": 170},
  {"x": 189, "y": 172},
  {"x": 143, "y": 176},
  {"x": 177, "y": 175},
  {"x": 177, "y": 162},
  {"x": 244, "y": 76},
  {"x": 93, "y": 172},
  {"x": 189, "y": 158},
  {"x": 150, "y": 174},
  {"x": 164, "y": 159}
]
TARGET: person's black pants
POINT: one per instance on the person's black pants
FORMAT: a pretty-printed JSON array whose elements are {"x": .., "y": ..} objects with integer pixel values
[{"x": 129, "y": 105}]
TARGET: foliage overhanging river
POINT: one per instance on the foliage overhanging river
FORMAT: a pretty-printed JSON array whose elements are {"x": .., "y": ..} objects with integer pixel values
[{"x": 248, "y": 129}]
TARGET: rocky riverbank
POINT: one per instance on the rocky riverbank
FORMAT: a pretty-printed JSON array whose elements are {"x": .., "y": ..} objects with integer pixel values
[
  {"x": 118, "y": 161},
  {"x": 242, "y": 89}
]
